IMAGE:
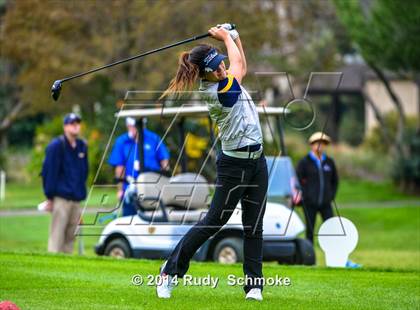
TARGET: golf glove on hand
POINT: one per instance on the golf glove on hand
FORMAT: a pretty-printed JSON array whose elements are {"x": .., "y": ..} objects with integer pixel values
[{"x": 234, "y": 34}]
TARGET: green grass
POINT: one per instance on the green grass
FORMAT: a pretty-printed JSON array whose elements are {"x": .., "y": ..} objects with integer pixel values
[
  {"x": 22, "y": 196},
  {"x": 39, "y": 281},
  {"x": 30, "y": 233},
  {"x": 350, "y": 191},
  {"x": 388, "y": 237},
  {"x": 366, "y": 191},
  {"x": 389, "y": 249},
  {"x": 28, "y": 196}
]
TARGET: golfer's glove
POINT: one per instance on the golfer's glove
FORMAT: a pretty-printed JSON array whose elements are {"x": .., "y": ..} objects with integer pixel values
[{"x": 234, "y": 34}]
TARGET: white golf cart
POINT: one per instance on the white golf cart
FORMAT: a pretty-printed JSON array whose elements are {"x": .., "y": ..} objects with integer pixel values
[{"x": 169, "y": 206}]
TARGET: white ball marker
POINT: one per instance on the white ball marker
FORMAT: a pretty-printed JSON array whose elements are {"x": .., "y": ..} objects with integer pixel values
[{"x": 337, "y": 237}]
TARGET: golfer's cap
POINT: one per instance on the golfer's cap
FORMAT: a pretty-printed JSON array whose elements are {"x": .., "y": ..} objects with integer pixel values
[
  {"x": 212, "y": 60},
  {"x": 129, "y": 121},
  {"x": 71, "y": 118},
  {"x": 319, "y": 136}
]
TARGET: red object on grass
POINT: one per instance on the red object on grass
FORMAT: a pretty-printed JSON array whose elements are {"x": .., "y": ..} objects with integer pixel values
[{"x": 8, "y": 305}]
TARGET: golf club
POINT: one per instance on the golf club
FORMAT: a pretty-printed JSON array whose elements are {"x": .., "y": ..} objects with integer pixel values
[{"x": 56, "y": 87}]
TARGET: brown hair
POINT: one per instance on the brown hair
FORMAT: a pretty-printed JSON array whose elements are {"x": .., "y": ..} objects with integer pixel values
[{"x": 188, "y": 70}]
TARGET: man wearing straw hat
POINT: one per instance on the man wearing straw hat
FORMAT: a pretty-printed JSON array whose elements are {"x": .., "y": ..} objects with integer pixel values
[{"x": 318, "y": 178}]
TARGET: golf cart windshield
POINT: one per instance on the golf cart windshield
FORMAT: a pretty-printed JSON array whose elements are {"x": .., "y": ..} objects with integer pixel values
[{"x": 282, "y": 180}]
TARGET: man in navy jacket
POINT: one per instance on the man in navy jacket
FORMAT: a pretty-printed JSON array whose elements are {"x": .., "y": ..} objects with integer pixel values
[
  {"x": 318, "y": 178},
  {"x": 64, "y": 174}
]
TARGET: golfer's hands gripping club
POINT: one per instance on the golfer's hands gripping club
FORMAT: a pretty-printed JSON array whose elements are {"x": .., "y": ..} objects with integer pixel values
[
  {"x": 234, "y": 34},
  {"x": 220, "y": 34}
]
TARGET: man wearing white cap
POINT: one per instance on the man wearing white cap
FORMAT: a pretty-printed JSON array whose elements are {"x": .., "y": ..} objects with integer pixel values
[
  {"x": 125, "y": 157},
  {"x": 318, "y": 178}
]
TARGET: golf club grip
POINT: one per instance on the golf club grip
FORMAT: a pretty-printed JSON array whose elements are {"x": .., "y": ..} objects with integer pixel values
[{"x": 233, "y": 26}]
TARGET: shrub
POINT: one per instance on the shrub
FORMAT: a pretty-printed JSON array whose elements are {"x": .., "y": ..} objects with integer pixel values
[
  {"x": 360, "y": 162},
  {"x": 374, "y": 140},
  {"x": 405, "y": 170},
  {"x": 352, "y": 162}
]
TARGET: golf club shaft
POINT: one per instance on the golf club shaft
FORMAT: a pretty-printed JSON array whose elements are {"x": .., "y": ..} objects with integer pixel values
[{"x": 136, "y": 56}]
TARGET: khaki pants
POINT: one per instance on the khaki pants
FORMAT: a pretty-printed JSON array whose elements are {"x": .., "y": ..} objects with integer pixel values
[{"x": 65, "y": 219}]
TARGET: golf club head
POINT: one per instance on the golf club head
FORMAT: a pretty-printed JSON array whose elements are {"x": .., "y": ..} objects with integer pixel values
[{"x": 56, "y": 89}]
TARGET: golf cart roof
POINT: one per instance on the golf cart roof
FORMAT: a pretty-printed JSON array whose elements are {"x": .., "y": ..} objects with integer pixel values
[{"x": 192, "y": 111}]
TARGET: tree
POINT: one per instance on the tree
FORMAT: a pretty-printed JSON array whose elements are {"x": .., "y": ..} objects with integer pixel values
[
  {"x": 385, "y": 33},
  {"x": 42, "y": 41}
]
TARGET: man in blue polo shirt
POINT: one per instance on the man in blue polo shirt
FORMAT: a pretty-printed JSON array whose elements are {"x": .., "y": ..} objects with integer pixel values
[
  {"x": 125, "y": 157},
  {"x": 64, "y": 174}
]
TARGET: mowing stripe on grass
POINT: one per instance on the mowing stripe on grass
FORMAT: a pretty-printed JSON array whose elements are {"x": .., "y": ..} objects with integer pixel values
[{"x": 36, "y": 281}]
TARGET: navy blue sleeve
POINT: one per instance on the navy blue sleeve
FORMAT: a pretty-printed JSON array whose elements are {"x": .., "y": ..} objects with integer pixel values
[
  {"x": 335, "y": 179},
  {"x": 51, "y": 168},
  {"x": 228, "y": 91},
  {"x": 86, "y": 161},
  {"x": 301, "y": 171}
]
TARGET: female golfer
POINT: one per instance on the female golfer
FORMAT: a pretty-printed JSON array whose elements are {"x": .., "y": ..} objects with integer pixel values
[{"x": 241, "y": 166}]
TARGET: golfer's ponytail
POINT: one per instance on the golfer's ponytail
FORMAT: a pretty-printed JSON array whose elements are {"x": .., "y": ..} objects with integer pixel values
[
  {"x": 185, "y": 77},
  {"x": 188, "y": 71}
]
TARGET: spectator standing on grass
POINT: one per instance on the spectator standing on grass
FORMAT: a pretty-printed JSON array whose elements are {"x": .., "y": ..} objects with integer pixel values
[
  {"x": 64, "y": 174},
  {"x": 319, "y": 181},
  {"x": 318, "y": 178}
]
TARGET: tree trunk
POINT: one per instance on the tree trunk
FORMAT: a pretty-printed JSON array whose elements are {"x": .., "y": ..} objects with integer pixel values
[
  {"x": 417, "y": 80},
  {"x": 335, "y": 115},
  {"x": 7, "y": 122},
  {"x": 11, "y": 116},
  {"x": 383, "y": 129},
  {"x": 398, "y": 105}
]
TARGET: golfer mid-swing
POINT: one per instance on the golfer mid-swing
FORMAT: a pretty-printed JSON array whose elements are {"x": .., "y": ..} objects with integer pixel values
[{"x": 241, "y": 166}]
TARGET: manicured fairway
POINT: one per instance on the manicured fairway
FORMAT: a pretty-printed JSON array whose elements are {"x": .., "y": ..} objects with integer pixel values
[
  {"x": 388, "y": 237},
  {"x": 389, "y": 249},
  {"x": 57, "y": 282}
]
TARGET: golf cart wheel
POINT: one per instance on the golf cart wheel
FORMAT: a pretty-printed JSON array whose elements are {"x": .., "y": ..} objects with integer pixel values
[
  {"x": 305, "y": 254},
  {"x": 229, "y": 251},
  {"x": 118, "y": 248}
]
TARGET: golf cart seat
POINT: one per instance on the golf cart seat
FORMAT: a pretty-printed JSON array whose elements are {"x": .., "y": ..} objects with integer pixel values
[
  {"x": 184, "y": 197},
  {"x": 186, "y": 191},
  {"x": 149, "y": 189}
]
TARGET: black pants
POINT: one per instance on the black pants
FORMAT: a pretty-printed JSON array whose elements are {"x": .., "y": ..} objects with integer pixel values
[
  {"x": 244, "y": 180},
  {"x": 310, "y": 215}
]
